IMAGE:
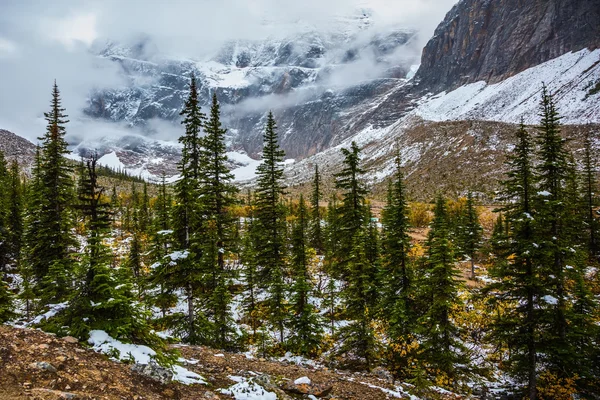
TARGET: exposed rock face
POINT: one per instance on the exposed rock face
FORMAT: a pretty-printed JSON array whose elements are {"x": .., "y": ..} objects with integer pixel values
[
  {"x": 16, "y": 147},
  {"x": 491, "y": 40}
]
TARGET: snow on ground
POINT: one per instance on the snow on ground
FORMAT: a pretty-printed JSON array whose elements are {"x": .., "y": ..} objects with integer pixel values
[
  {"x": 246, "y": 389},
  {"x": 112, "y": 160},
  {"x": 248, "y": 169},
  {"x": 54, "y": 309},
  {"x": 102, "y": 342},
  {"x": 570, "y": 77}
]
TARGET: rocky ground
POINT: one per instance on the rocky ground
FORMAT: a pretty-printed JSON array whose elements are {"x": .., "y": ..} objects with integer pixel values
[{"x": 36, "y": 365}]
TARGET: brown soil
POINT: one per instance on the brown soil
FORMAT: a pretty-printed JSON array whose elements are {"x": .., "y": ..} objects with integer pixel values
[{"x": 84, "y": 374}]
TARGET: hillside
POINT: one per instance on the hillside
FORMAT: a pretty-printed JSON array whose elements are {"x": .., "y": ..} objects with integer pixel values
[{"x": 36, "y": 365}]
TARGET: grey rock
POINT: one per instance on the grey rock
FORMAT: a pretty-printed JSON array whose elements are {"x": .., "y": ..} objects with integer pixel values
[
  {"x": 44, "y": 366},
  {"x": 154, "y": 371}
]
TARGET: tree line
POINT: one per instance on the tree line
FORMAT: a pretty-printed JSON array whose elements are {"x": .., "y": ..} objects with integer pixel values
[{"x": 333, "y": 282}]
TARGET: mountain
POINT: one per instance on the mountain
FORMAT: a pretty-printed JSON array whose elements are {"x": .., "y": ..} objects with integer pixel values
[
  {"x": 311, "y": 79},
  {"x": 483, "y": 40},
  {"x": 479, "y": 74},
  {"x": 15, "y": 147}
]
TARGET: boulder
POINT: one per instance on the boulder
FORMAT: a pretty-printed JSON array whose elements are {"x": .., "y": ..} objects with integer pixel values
[{"x": 154, "y": 371}]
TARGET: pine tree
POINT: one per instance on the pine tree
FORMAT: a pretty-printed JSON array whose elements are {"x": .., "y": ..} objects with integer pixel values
[
  {"x": 187, "y": 272},
  {"x": 5, "y": 250},
  {"x": 15, "y": 211},
  {"x": 397, "y": 276},
  {"x": 270, "y": 217},
  {"x": 359, "y": 298},
  {"x": 590, "y": 187},
  {"x": 441, "y": 351},
  {"x": 316, "y": 232},
  {"x": 218, "y": 196},
  {"x": 250, "y": 240},
  {"x": 49, "y": 254},
  {"x": 471, "y": 232},
  {"x": 557, "y": 223},
  {"x": 353, "y": 215},
  {"x": 305, "y": 323},
  {"x": 519, "y": 277}
]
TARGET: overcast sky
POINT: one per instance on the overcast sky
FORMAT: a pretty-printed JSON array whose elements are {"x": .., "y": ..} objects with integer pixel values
[{"x": 41, "y": 40}]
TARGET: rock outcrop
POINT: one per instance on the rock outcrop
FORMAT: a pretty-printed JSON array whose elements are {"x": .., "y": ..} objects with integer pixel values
[{"x": 492, "y": 40}]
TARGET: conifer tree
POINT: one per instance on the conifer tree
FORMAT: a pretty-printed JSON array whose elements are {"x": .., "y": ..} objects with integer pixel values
[
  {"x": 441, "y": 351},
  {"x": 519, "y": 277},
  {"x": 359, "y": 298},
  {"x": 251, "y": 281},
  {"x": 270, "y": 217},
  {"x": 15, "y": 211},
  {"x": 100, "y": 301},
  {"x": 397, "y": 305},
  {"x": 218, "y": 196},
  {"x": 305, "y": 324},
  {"x": 5, "y": 249},
  {"x": 316, "y": 232},
  {"x": 558, "y": 229},
  {"x": 353, "y": 215},
  {"x": 49, "y": 253},
  {"x": 590, "y": 187},
  {"x": 471, "y": 232},
  {"x": 187, "y": 272}
]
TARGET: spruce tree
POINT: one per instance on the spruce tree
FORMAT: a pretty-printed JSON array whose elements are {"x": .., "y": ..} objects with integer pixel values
[
  {"x": 397, "y": 305},
  {"x": 49, "y": 253},
  {"x": 15, "y": 211},
  {"x": 100, "y": 301},
  {"x": 471, "y": 232},
  {"x": 590, "y": 187},
  {"x": 217, "y": 197},
  {"x": 270, "y": 217},
  {"x": 557, "y": 223},
  {"x": 305, "y": 323},
  {"x": 5, "y": 250},
  {"x": 519, "y": 276},
  {"x": 187, "y": 273},
  {"x": 316, "y": 231},
  {"x": 353, "y": 213},
  {"x": 441, "y": 351}
]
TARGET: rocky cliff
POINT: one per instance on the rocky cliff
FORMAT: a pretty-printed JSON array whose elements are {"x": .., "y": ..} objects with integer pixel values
[{"x": 491, "y": 40}]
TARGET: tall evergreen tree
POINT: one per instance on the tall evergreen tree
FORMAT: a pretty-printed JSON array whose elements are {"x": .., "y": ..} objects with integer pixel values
[
  {"x": 270, "y": 216},
  {"x": 519, "y": 276},
  {"x": 305, "y": 323},
  {"x": 218, "y": 196},
  {"x": 590, "y": 187},
  {"x": 471, "y": 232},
  {"x": 187, "y": 272},
  {"x": 397, "y": 305},
  {"x": 49, "y": 253},
  {"x": 353, "y": 213},
  {"x": 316, "y": 231},
  {"x": 557, "y": 223},
  {"x": 441, "y": 350},
  {"x": 15, "y": 211}
]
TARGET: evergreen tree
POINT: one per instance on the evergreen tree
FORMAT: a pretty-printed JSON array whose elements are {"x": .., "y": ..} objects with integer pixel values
[
  {"x": 101, "y": 302},
  {"x": 397, "y": 276},
  {"x": 305, "y": 324},
  {"x": 270, "y": 217},
  {"x": 557, "y": 223},
  {"x": 15, "y": 211},
  {"x": 441, "y": 350},
  {"x": 49, "y": 253},
  {"x": 218, "y": 196},
  {"x": 251, "y": 281},
  {"x": 187, "y": 272},
  {"x": 471, "y": 232},
  {"x": 316, "y": 232},
  {"x": 5, "y": 250},
  {"x": 353, "y": 215},
  {"x": 590, "y": 187},
  {"x": 359, "y": 298},
  {"x": 519, "y": 277}
]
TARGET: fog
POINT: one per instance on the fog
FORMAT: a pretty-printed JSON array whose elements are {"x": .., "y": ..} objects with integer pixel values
[{"x": 41, "y": 41}]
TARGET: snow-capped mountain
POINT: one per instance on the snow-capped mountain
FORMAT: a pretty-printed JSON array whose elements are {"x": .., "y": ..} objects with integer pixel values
[{"x": 311, "y": 80}]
